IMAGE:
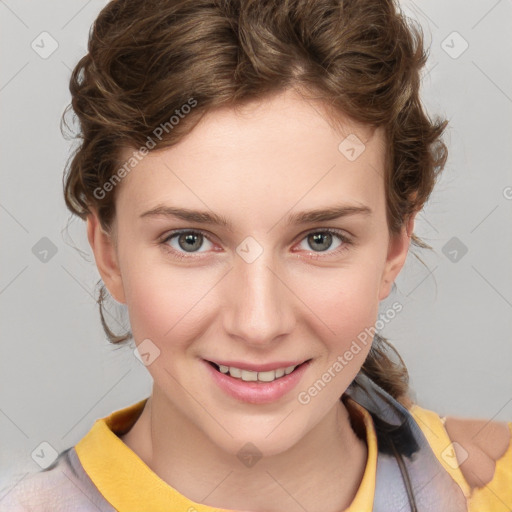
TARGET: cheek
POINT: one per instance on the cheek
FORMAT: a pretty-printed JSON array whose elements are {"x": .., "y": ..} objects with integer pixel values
[
  {"x": 346, "y": 307},
  {"x": 165, "y": 303},
  {"x": 347, "y": 301}
]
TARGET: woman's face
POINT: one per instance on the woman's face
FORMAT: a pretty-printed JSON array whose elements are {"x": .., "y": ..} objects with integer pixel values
[{"x": 269, "y": 288}]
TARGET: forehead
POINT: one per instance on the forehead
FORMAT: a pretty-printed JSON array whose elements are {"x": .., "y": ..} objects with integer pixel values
[{"x": 278, "y": 151}]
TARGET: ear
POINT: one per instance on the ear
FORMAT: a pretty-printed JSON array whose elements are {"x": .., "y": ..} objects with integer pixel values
[
  {"x": 398, "y": 249},
  {"x": 105, "y": 255}
]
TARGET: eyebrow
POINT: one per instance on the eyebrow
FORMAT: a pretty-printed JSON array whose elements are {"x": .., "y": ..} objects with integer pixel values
[{"x": 305, "y": 217}]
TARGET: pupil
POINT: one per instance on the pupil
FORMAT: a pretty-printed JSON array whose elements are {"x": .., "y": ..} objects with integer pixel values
[
  {"x": 189, "y": 240},
  {"x": 321, "y": 237}
]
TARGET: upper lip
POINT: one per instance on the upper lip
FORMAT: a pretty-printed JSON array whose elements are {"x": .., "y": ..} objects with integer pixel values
[{"x": 265, "y": 367}]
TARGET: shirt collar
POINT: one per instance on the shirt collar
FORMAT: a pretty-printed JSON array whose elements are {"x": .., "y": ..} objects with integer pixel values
[{"x": 128, "y": 484}]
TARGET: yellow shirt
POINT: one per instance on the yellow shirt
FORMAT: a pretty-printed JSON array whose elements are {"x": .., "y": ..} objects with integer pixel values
[{"x": 131, "y": 486}]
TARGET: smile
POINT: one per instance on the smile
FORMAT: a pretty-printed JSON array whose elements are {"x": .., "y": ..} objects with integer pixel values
[
  {"x": 260, "y": 384},
  {"x": 252, "y": 376}
]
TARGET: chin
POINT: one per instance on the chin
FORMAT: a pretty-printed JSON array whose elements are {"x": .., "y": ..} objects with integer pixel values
[
  {"x": 250, "y": 448},
  {"x": 266, "y": 438}
]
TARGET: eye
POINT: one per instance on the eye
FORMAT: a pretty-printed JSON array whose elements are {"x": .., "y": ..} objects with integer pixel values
[
  {"x": 183, "y": 242},
  {"x": 321, "y": 241}
]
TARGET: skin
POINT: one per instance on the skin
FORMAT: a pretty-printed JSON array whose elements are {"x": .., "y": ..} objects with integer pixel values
[{"x": 294, "y": 302}]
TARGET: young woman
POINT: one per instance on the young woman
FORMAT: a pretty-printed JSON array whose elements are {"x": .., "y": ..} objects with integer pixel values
[{"x": 250, "y": 172}]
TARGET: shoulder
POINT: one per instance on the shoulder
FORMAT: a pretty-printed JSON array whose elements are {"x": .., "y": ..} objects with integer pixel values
[
  {"x": 32, "y": 491},
  {"x": 470, "y": 449},
  {"x": 478, "y": 445},
  {"x": 58, "y": 488}
]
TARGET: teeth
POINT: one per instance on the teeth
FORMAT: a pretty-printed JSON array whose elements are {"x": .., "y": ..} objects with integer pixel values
[
  {"x": 235, "y": 372},
  {"x": 249, "y": 376},
  {"x": 267, "y": 376}
]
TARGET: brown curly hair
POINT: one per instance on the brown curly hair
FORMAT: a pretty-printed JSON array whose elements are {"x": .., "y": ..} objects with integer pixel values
[{"x": 147, "y": 59}]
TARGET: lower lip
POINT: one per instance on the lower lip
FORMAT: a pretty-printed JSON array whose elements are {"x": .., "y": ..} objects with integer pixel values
[{"x": 257, "y": 392}]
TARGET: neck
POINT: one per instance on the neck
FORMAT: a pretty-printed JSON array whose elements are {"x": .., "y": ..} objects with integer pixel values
[{"x": 321, "y": 472}]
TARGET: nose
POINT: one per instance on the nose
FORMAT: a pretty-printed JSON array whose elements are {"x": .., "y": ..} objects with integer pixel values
[{"x": 259, "y": 304}]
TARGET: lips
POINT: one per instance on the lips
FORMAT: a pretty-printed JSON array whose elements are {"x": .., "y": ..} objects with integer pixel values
[{"x": 255, "y": 390}]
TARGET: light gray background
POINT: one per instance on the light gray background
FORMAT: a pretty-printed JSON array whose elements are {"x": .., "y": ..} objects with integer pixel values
[{"x": 58, "y": 374}]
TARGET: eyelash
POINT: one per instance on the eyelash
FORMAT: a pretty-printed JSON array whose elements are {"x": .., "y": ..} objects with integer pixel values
[{"x": 346, "y": 241}]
